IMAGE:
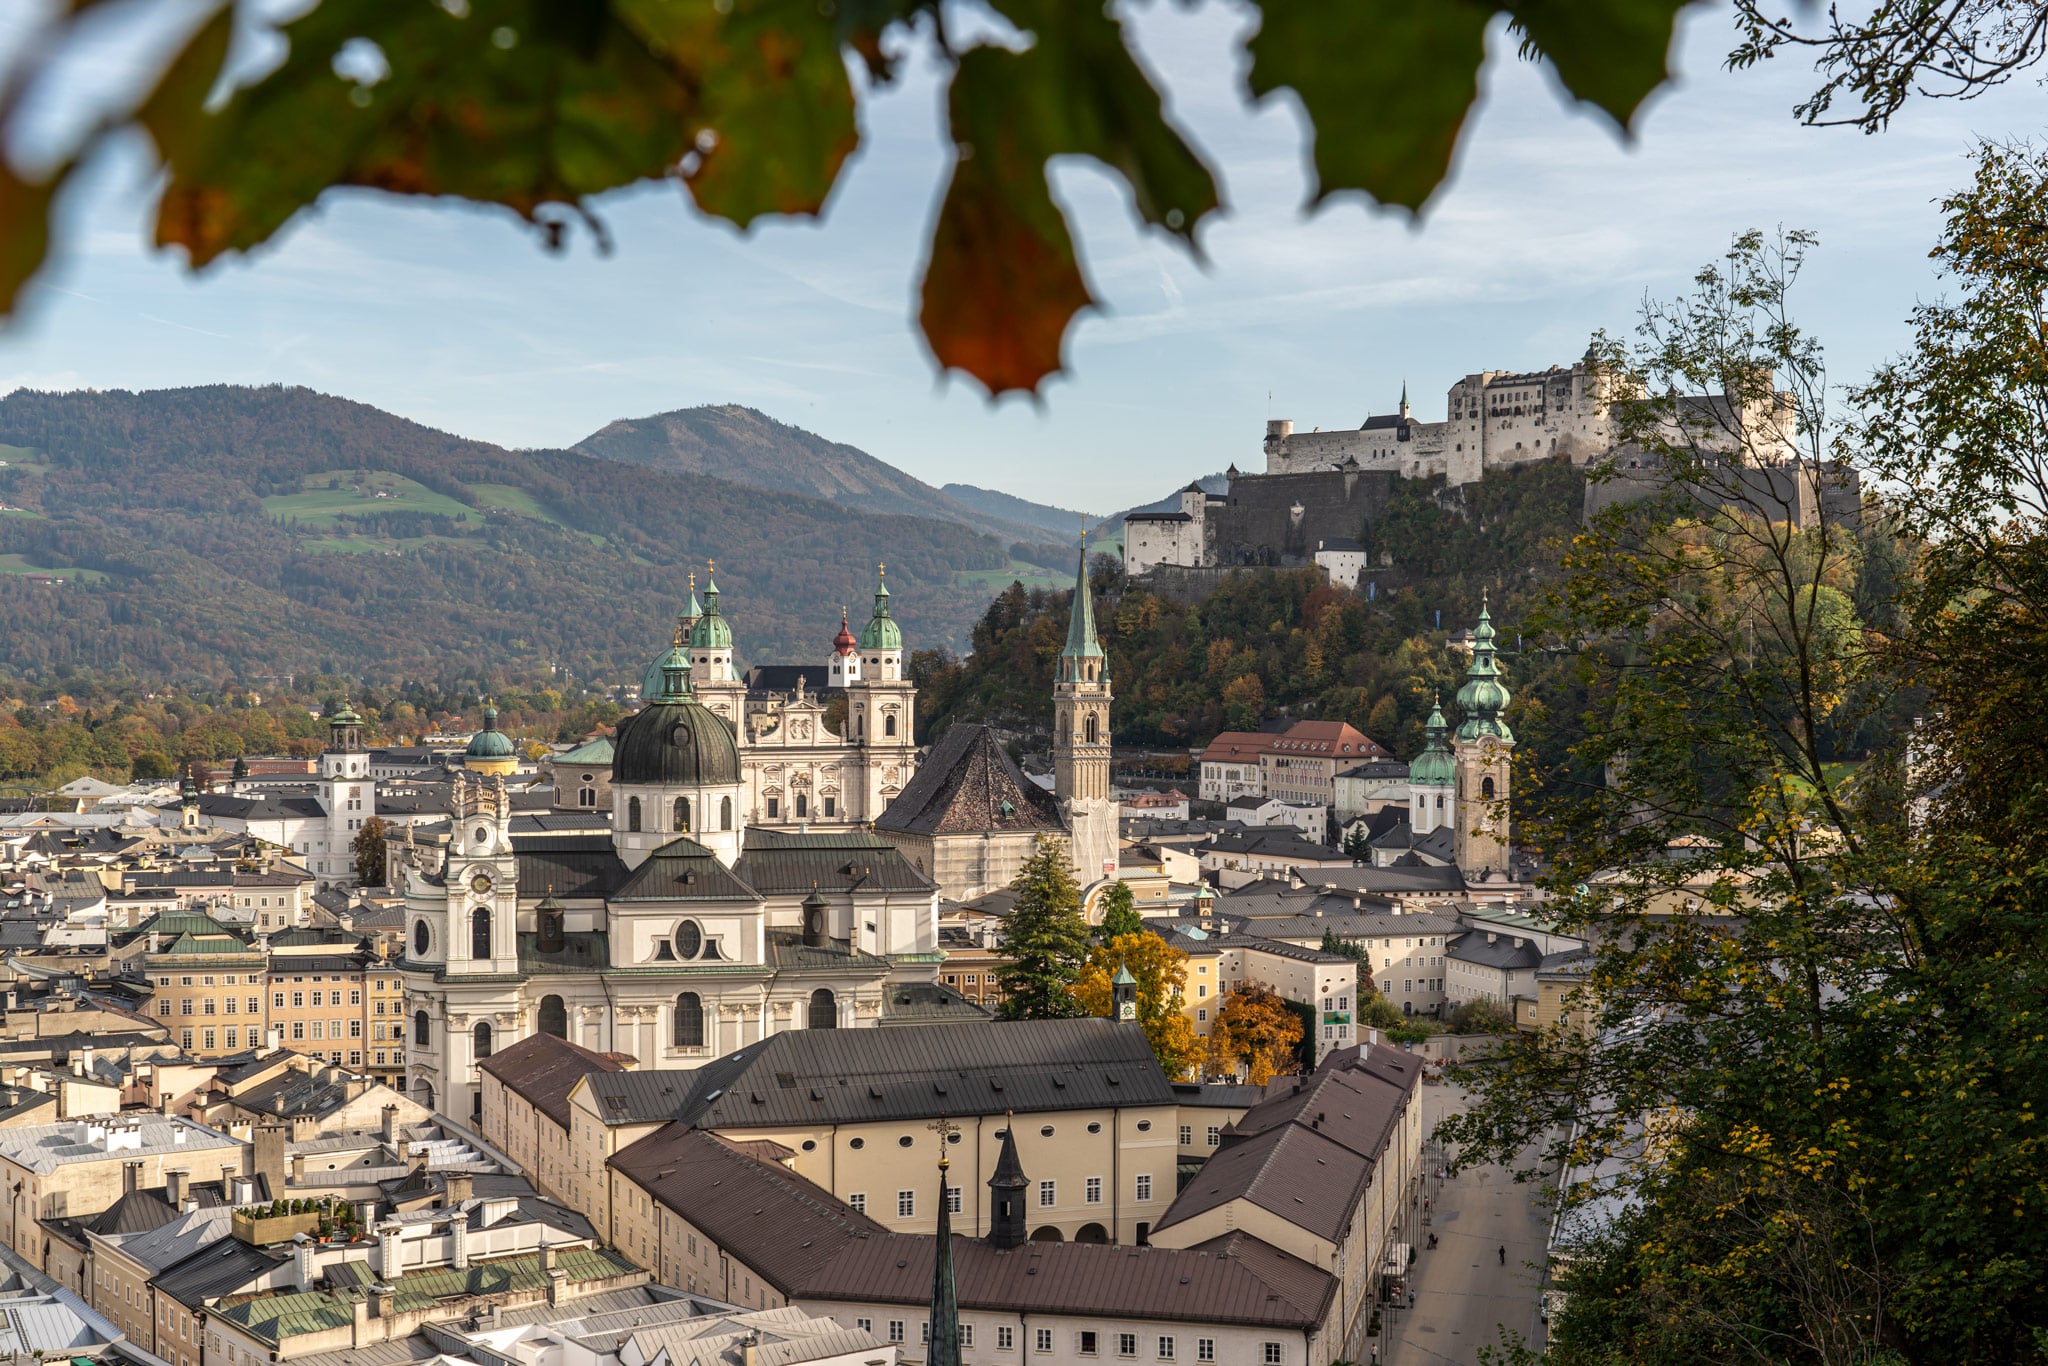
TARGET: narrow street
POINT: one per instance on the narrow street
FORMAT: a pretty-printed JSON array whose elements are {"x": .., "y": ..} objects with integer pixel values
[{"x": 1462, "y": 1290}]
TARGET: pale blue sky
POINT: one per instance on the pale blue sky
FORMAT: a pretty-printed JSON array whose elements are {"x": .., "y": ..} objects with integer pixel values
[{"x": 1552, "y": 227}]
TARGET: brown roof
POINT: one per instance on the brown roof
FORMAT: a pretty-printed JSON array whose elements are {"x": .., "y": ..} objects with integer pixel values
[
  {"x": 542, "y": 1069},
  {"x": 968, "y": 785},
  {"x": 1306, "y": 1145},
  {"x": 1237, "y": 746},
  {"x": 1325, "y": 737},
  {"x": 758, "y": 1212},
  {"x": 1230, "y": 1280}
]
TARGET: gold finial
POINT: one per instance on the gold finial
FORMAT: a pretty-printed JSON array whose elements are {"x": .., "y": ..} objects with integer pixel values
[
  {"x": 693, "y": 581},
  {"x": 881, "y": 571},
  {"x": 711, "y": 566},
  {"x": 677, "y": 639}
]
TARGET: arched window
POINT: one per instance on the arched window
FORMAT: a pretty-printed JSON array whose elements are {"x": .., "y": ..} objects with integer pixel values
[
  {"x": 888, "y": 725},
  {"x": 480, "y": 932},
  {"x": 824, "y": 1010},
  {"x": 633, "y": 814},
  {"x": 1439, "y": 801},
  {"x": 1091, "y": 729},
  {"x": 803, "y": 805},
  {"x": 552, "y": 1017},
  {"x": 682, "y": 815},
  {"x": 1486, "y": 789},
  {"x": 725, "y": 813},
  {"x": 419, "y": 1028},
  {"x": 426, "y": 1093},
  {"x": 586, "y": 796},
  {"x": 482, "y": 1036},
  {"x": 689, "y": 1029}
]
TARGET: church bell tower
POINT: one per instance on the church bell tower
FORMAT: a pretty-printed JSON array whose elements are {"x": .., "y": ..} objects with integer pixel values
[
  {"x": 1080, "y": 740},
  {"x": 1482, "y": 748}
]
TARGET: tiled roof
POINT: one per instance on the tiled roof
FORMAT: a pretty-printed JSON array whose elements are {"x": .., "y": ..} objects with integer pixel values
[
  {"x": 968, "y": 785},
  {"x": 768, "y": 1217},
  {"x": 1172, "y": 1285},
  {"x": 543, "y": 1069}
]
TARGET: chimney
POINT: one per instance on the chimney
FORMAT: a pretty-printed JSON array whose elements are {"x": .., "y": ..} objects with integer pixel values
[
  {"x": 456, "y": 1187},
  {"x": 458, "y": 1239},
  {"x": 298, "y": 1168},
  {"x": 302, "y": 1261},
  {"x": 366, "y": 1214},
  {"x": 276, "y": 1037},
  {"x": 360, "y": 1314},
  {"x": 750, "y": 1350},
  {"x": 266, "y": 1158},
  {"x": 131, "y": 1177},
  {"x": 390, "y": 1124},
  {"x": 85, "y": 1064},
  {"x": 174, "y": 1186},
  {"x": 380, "y": 1301},
  {"x": 388, "y": 1253},
  {"x": 558, "y": 1284}
]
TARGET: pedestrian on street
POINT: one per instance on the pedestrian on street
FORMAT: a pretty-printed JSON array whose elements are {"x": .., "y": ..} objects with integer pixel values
[
  {"x": 1411, "y": 1299},
  {"x": 1503, "y": 1255}
]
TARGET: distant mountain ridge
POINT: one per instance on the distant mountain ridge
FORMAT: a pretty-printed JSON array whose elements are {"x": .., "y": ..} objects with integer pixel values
[
  {"x": 744, "y": 446},
  {"x": 1058, "y": 522},
  {"x": 228, "y": 531}
]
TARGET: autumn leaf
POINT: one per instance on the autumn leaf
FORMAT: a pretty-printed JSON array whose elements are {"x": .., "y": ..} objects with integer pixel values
[{"x": 1003, "y": 281}]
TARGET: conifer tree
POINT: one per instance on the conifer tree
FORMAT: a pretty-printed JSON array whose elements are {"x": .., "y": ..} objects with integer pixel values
[
  {"x": 1119, "y": 913},
  {"x": 1045, "y": 939}
]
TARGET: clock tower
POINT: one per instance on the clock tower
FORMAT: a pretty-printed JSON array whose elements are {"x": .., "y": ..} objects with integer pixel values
[{"x": 483, "y": 882}]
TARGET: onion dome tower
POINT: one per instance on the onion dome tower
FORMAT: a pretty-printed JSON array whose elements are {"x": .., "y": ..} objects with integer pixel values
[
  {"x": 1482, "y": 748},
  {"x": 844, "y": 665},
  {"x": 1433, "y": 779}
]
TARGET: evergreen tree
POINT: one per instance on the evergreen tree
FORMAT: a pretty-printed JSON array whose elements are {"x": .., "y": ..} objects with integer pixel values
[
  {"x": 1045, "y": 939},
  {"x": 1357, "y": 846},
  {"x": 1119, "y": 914}
]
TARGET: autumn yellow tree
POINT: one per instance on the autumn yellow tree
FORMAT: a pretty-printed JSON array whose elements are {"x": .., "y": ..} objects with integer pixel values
[
  {"x": 1162, "y": 973},
  {"x": 1255, "y": 1031}
]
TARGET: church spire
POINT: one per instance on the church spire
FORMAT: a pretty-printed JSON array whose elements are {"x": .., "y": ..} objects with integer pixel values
[
  {"x": 1081, "y": 642},
  {"x": 944, "y": 1347},
  {"x": 1006, "y": 1193},
  {"x": 1484, "y": 697}
]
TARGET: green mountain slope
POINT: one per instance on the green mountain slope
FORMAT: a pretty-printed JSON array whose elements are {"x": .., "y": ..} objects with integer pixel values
[
  {"x": 226, "y": 532},
  {"x": 1060, "y": 523},
  {"x": 743, "y": 446}
]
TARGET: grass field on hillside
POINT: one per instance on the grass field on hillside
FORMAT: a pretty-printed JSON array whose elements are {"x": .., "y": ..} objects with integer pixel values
[
  {"x": 17, "y": 564},
  {"x": 1030, "y": 575},
  {"x": 324, "y": 507}
]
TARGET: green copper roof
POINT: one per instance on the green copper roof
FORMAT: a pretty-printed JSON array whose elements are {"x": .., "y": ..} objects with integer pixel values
[
  {"x": 1123, "y": 977},
  {"x": 1434, "y": 767},
  {"x": 671, "y": 676},
  {"x": 881, "y": 632},
  {"x": 1081, "y": 642},
  {"x": 345, "y": 717},
  {"x": 490, "y": 742},
  {"x": 596, "y": 753},
  {"x": 1484, "y": 697},
  {"x": 711, "y": 631}
]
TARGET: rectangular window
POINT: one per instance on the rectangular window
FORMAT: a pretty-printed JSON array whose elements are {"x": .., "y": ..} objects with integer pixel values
[
  {"x": 208, "y": 1043},
  {"x": 952, "y": 1199},
  {"x": 1048, "y": 1194},
  {"x": 924, "y": 1332},
  {"x": 1214, "y": 1134},
  {"x": 277, "y": 1000},
  {"x": 1126, "y": 1344},
  {"x": 255, "y": 1004},
  {"x": 228, "y": 1006},
  {"x": 316, "y": 1029},
  {"x": 1092, "y": 1190},
  {"x": 185, "y": 1039},
  {"x": 775, "y": 810},
  {"x": 163, "y": 1007},
  {"x": 1202, "y": 1014},
  {"x": 831, "y": 810},
  {"x": 1145, "y": 1186},
  {"x": 859, "y": 1201},
  {"x": 298, "y": 1000},
  {"x": 895, "y": 1330},
  {"x": 1187, "y": 1135},
  {"x": 185, "y": 1006},
  {"x": 906, "y": 1204},
  {"x": 1085, "y": 1342},
  {"x": 380, "y": 1058},
  {"x": 966, "y": 1335},
  {"x": 298, "y": 1029},
  {"x": 234, "y": 1034},
  {"x": 1205, "y": 1349},
  {"x": 355, "y": 1059},
  {"x": 355, "y": 1029},
  {"x": 355, "y": 998},
  {"x": 206, "y": 1006},
  {"x": 1166, "y": 1349},
  {"x": 1006, "y": 1338},
  {"x": 1271, "y": 1355},
  {"x": 184, "y": 981},
  {"x": 1044, "y": 1340},
  {"x": 865, "y": 1325}
]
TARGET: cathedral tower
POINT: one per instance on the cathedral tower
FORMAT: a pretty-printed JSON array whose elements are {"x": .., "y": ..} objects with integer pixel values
[
  {"x": 1433, "y": 780},
  {"x": 349, "y": 796},
  {"x": 1482, "y": 748},
  {"x": 1080, "y": 739},
  {"x": 881, "y": 707},
  {"x": 711, "y": 673}
]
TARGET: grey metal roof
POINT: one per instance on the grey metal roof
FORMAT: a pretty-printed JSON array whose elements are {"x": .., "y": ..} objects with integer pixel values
[
  {"x": 221, "y": 1269},
  {"x": 572, "y": 866},
  {"x": 778, "y": 862},
  {"x": 177, "y": 1239},
  {"x": 920, "y": 1003},
  {"x": 683, "y": 870},
  {"x": 1506, "y": 953}
]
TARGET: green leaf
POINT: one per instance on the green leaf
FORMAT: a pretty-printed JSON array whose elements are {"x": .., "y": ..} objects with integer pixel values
[
  {"x": 1002, "y": 281},
  {"x": 1386, "y": 85},
  {"x": 1609, "y": 53}
]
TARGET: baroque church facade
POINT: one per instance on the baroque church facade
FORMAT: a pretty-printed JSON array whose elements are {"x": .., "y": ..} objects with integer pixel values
[{"x": 736, "y": 893}]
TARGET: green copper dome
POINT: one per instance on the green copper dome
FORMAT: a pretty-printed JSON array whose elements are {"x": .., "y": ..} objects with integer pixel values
[
  {"x": 711, "y": 631},
  {"x": 1434, "y": 767},
  {"x": 490, "y": 742},
  {"x": 881, "y": 632},
  {"x": 1484, "y": 697}
]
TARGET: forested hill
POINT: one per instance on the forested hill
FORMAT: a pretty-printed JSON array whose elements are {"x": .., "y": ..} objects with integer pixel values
[
  {"x": 743, "y": 446},
  {"x": 230, "y": 532}
]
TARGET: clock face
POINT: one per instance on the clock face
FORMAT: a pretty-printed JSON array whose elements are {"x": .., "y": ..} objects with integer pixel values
[{"x": 481, "y": 883}]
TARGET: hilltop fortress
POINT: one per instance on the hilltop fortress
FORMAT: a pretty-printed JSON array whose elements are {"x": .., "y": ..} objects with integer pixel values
[{"x": 1321, "y": 489}]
